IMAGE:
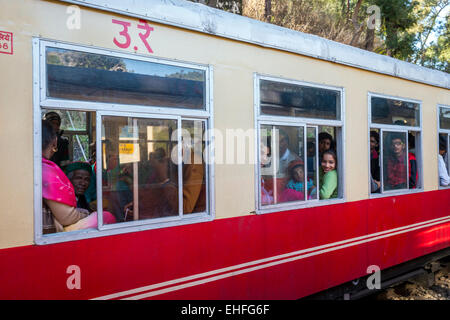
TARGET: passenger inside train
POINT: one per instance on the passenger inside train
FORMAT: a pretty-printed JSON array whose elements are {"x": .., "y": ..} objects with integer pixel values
[
  {"x": 326, "y": 142},
  {"x": 289, "y": 183},
  {"x": 375, "y": 161},
  {"x": 395, "y": 168},
  {"x": 79, "y": 173},
  {"x": 59, "y": 208},
  {"x": 285, "y": 154},
  {"x": 61, "y": 156},
  {"x": 444, "y": 178},
  {"x": 328, "y": 178},
  {"x": 265, "y": 163},
  {"x": 295, "y": 188}
]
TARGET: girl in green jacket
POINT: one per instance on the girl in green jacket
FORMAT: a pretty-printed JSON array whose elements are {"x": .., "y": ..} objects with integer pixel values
[{"x": 328, "y": 179}]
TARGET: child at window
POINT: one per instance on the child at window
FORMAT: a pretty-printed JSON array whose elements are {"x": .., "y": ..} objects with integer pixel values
[{"x": 295, "y": 188}]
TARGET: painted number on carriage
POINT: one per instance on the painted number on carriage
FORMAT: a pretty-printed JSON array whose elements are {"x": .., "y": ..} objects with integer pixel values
[
  {"x": 6, "y": 42},
  {"x": 123, "y": 39}
]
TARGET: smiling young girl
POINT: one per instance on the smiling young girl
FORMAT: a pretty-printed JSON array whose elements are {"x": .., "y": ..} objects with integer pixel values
[{"x": 328, "y": 176}]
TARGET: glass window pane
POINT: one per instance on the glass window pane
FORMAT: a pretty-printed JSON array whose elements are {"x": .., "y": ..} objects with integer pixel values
[
  {"x": 395, "y": 112},
  {"x": 328, "y": 162},
  {"x": 311, "y": 163},
  {"x": 292, "y": 100},
  {"x": 282, "y": 165},
  {"x": 394, "y": 160},
  {"x": 134, "y": 169},
  {"x": 80, "y": 147},
  {"x": 71, "y": 144},
  {"x": 412, "y": 160},
  {"x": 267, "y": 169},
  {"x": 375, "y": 160},
  {"x": 327, "y": 140},
  {"x": 74, "y": 186},
  {"x": 194, "y": 169},
  {"x": 444, "y": 118},
  {"x": 85, "y": 76},
  {"x": 443, "y": 149}
]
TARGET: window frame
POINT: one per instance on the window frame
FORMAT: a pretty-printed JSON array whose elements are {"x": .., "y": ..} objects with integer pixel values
[
  {"x": 41, "y": 101},
  {"x": 261, "y": 119},
  {"x": 443, "y": 131},
  {"x": 395, "y": 128}
]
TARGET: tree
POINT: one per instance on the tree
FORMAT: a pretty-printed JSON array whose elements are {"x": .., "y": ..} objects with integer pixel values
[
  {"x": 437, "y": 55},
  {"x": 429, "y": 12},
  {"x": 404, "y": 33},
  {"x": 233, "y": 6}
]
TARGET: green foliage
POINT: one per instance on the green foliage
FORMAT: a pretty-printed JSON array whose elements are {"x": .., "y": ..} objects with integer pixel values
[
  {"x": 84, "y": 60},
  {"x": 437, "y": 55},
  {"x": 191, "y": 75}
]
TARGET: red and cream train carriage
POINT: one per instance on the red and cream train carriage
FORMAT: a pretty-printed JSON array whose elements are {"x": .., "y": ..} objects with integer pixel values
[{"x": 140, "y": 71}]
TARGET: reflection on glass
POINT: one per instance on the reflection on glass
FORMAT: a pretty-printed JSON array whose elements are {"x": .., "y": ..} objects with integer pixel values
[
  {"x": 311, "y": 163},
  {"x": 283, "y": 173},
  {"x": 395, "y": 112},
  {"x": 292, "y": 100},
  {"x": 443, "y": 142},
  {"x": 85, "y": 76},
  {"x": 444, "y": 118},
  {"x": 80, "y": 151},
  {"x": 71, "y": 128},
  {"x": 266, "y": 165},
  {"x": 194, "y": 170},
  {"x": 140, "y": 180},
  {"x": 394, "y": 160}
]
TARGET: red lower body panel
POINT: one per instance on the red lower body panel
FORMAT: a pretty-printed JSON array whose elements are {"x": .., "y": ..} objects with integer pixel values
[{"x": 284, "y": 255}]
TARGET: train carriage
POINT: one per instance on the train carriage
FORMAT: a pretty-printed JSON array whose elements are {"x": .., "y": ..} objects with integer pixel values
[{"x": 194, "y": 122}]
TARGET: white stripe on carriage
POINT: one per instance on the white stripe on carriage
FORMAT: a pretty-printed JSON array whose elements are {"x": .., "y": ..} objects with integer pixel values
[{"x": 296, "y": 255}]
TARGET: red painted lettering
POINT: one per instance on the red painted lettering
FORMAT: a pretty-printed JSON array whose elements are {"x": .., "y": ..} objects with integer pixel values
[{"x": 123, "y": 33}]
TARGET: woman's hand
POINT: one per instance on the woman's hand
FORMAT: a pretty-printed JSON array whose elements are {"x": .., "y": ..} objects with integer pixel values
[{"x": 128, "y": 210}]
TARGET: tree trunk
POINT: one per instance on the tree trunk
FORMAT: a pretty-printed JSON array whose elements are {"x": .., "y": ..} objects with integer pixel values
[
  {"x": 212, "y": 3},
  {"x": 268, "y": 9},
  {"x": 370, "y": 39}
]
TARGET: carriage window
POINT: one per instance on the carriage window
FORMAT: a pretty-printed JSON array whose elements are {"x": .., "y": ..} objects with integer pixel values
[
  {"x": 293, "y": 100},
  {"x": 395, "y": 157},
  {"x": 85, "y": 76},
  {"x": 395, "y": 112},
  {"x": 444, "y": 118},
  {"x": 444, "y": 147},
  {"x": 68, "y": 178},
  {"x": 298, "y": 160},
  {"x": 109, "y": 168}
]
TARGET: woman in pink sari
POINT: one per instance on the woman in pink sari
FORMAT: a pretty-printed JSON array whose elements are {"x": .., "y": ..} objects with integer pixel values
[{"x": 59, "y": 208}]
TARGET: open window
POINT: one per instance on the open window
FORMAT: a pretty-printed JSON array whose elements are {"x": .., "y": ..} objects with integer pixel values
[
  {"x": 395, "y": 145},
  {"x": 135, "y": 127},
  {"x": 300, "y": 148},
  {"x": 444, "y": 146}
]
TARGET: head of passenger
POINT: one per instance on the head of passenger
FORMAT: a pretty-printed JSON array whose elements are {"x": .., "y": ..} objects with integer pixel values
[
  {"x": 157, "y": 156},
  {"x": 265, "y": 154},
  {"x": 297, "y": 171},
  {"x": 54, "y": 119},
  {"x": 79, "y": 173},
  {"x": 283, "y": 142},
  {"x": 49, "y": 140},
  {"x": 311, "y": 149},
  {"x": 374, "y": 140},
  {"x": 325, "y": 142},
  {"x": 442, "y": 146},
  {"x": 397, "y": 144},
  {"x": 329, "y": 161}
]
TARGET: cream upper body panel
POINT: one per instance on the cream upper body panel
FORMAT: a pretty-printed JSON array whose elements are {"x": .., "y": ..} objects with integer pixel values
[{"x": 234, "y": 66}]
